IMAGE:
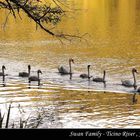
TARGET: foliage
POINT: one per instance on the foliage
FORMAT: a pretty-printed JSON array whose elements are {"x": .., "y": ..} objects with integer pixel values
[
  {"x": 43, "y": 14},
  {"x": 39, "y": 13}
]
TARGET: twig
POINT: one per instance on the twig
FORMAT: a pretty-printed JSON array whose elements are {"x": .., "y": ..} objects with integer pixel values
[
  {"x": 4, "y": 25},
  {"x": 40, "y": 15},
  {"x": 8, "y": 117},
  {"x": 11, "y": 8}
]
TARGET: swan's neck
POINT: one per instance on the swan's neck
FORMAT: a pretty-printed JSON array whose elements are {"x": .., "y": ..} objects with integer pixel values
[
  {"x": 38, "y": 75},
  {"x": 70, "y": 67},
  {"x": 134, "y": 79},
  {"x": 88, "y": 72},
  {"x": 3, "y": 78},
  {"x": 3, "y": 71},
  {"x": 38, "y": 80},
  {"x": 104, "y": 76},
  {"x": 70, "y": 76},
  {"x": 29, "y": 71},
  {"x": 3, "y": 75}
]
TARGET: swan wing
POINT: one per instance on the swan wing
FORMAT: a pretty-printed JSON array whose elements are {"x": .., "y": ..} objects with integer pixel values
[
  {"x": 84, "y": 76},
  {"x": 63, "y": 70},
  {"x": 127, "y": 83},
  {"x": 98, "y": 79},
  {"x": 1, "y": 74},
  {"x": 33, "y": 78},
  {"x": 23, "y": 74}
]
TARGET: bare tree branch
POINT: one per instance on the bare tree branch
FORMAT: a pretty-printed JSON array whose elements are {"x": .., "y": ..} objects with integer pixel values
[
  {"x": 11, "y": 8},
  {"x": 4, "y": 25},
  {"x": 41, "y": 14}
]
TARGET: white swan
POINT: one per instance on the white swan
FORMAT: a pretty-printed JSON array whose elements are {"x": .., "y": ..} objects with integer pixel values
[
  {"x": 128, "y": 83},
  {"x": 62, "y": 70}
]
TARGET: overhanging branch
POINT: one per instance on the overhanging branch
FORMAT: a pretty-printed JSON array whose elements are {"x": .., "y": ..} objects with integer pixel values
[{"x": 42, "y": 15}]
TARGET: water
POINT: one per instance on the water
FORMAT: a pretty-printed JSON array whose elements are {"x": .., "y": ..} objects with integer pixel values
[{"x": 113, "y": 45}]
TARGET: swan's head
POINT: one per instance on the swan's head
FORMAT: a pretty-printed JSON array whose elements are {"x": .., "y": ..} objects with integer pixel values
[
  {"x": 29, "y": 67},
  {"x": 134, "y": 70},
  {"x": 3, "y": 67},
  {"x": 88, "y": 66},
  {"x": 104, "y": 72},
  {"x": 39, "y": 71},
  {"x": 71, "y": 60}
]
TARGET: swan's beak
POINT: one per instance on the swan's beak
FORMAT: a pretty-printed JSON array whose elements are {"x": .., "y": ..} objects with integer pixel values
[{"x": 39, "y": 71}]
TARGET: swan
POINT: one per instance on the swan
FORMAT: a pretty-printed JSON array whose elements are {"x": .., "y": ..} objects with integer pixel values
[
  {"x": 2, "y": 73},
  {"x": 25, "y": 74},
  {"x": 128, "y": 83},
  {"x": 86, "y": 75},
  {"x": 99, "y": 79},
  {"x": 63, "y": 70},
  {"x": 35, "y": 78}
]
